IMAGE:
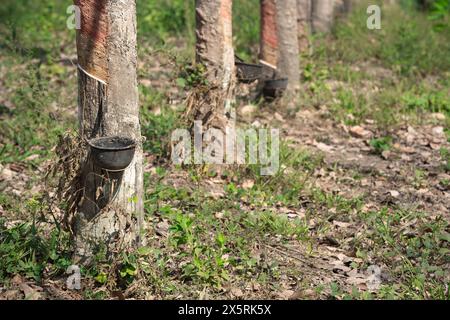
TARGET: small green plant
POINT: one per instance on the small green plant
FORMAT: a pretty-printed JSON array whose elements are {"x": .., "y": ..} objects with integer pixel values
[
  {"x": 419, "y": 176},
  {"x": 191, "y": 76},
  {"x": 181, "y": 230},
  {"x": 381, "y": 144},
  {"x": 25, "y": 249},
  {"x": 129, "y": 267}
]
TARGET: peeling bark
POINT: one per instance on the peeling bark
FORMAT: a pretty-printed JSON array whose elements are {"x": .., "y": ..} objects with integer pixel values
[{"x": 110, "y": 214}]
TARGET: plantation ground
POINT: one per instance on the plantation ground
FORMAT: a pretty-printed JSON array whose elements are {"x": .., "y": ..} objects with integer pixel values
[{"x": 364, "y": 182}]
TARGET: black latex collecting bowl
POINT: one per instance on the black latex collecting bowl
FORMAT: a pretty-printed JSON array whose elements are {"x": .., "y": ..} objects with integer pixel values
[
  {"x": 247, "y": 72},
  {"x": 112, "y": 153},
  {"x": 274, "y": 88}
]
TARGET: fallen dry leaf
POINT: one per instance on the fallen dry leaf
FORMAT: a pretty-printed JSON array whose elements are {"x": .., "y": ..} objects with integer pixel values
[
  {"x": 394, "y": 193},
  {"x": 248, "y": 184},
  {"x": 360, "y": 132},
  {"x": 324, "y": 147},
  {"x": 236, "y": 292},
  {"x": 285, "y": 294},
  {"x": 248, "y": 109}
]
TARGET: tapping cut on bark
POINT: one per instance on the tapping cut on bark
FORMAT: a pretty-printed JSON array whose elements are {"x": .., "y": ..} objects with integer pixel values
[
  {"x": 92, "y": 37},
  {"x": 110, "y": 213},
  {"x": 269, "y": 49},
  {"x": 279, "y": 47}
]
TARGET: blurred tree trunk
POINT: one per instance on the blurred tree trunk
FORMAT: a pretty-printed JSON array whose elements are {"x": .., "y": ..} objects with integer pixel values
[
  {"x": 288, "y": 62},
  {"x": 110, "y": 213},
  {"x": 322, "y": 15},
  {"x": 348, "y": 5},
  {"x": 425, "y": 4},
  {"x": 269, "y": 50},
  {"x": 214, "y": 50},
  {"x": 279, "y": 47},
  {"x": 304, "y": 24}
]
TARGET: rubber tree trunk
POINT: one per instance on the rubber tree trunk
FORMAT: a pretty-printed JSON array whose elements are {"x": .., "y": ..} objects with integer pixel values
[
  {"x": 214, "y": 50},
  {"x": 304, "y": 24},
  {"x": 288, "y": 62},
  {"x": 110, "y": 213},
  {"x": 269, "y": 49},
  {"x": 322, "y": 15},
  {"x": 342, "y": 7},
  {"x": 348, "y": 6},
  {"x": 279, "y": 47}
]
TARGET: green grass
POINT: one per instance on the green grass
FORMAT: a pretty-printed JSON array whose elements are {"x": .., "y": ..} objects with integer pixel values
[
  {"x": 157, "y": 130},
  {"x": 32, "y": 26},
  {"x": 32, "y": 246},
  {"x": 246, "y": 30},
  {"x": 415, "y": 258},
  {"x": 214, "y": 250},
  {"x": 29, "y": 128},
  {"x": 406, "y": 42},
  {"x": 161, "y": 21},
  {"x": 213, "y": 243},
  {"x": 382, "y": 75}
]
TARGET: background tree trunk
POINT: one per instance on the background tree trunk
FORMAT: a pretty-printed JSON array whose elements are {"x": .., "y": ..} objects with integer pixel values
[
  {"x": 288, "y": 62},
  {"x": 269, "y": 50},
  {"x": 110, "y": 214},
  {"x": 214, "y": 50},
  {"x": 348, "y": 5},
  {"x": 322, "y": 15},
  {"x": 303, "y": 24}
]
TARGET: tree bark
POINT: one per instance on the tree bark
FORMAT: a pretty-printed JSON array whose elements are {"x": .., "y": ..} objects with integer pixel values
[
  {"x": 288, "y": 62},
  {"x": 342, "y": 7},
  {"x": 279, "y": 46},
  {"x": 214, "y": 50},
  {"x": 269, "y": 50},
  {"x": 304, "y": 24},
  {"x": 322, "y": 15},
  {"x": 110, "y": 213},
  {"x": 348, "y": 6}
]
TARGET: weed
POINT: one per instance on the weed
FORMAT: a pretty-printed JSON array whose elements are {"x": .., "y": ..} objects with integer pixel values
[
  {"x": 381, "y": 144},
  {"x": 25, "y": 248}
]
